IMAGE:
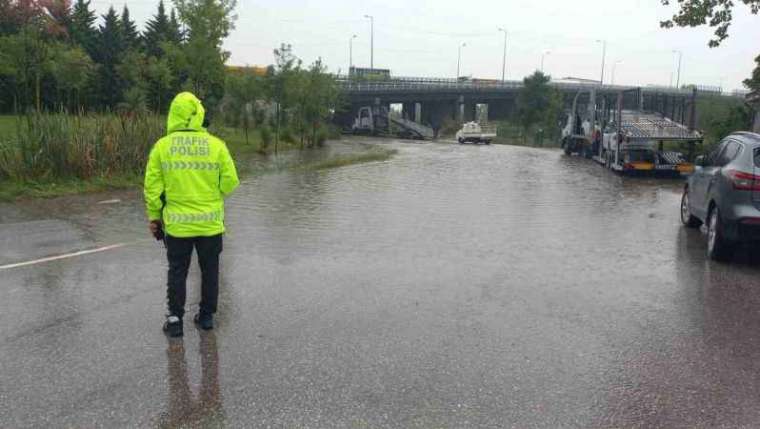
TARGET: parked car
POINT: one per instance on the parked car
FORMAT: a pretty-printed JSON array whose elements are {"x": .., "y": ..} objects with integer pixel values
[{"x": 724, "y": 194}]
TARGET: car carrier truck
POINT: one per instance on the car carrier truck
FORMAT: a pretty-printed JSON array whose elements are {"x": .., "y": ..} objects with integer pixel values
[{"x": 628, "y": 140}]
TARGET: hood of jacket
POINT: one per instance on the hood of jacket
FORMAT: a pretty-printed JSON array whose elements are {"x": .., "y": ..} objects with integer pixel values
[{"x": 185, "y": 114}]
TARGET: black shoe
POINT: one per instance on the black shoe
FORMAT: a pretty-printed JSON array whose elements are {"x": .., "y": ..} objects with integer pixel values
[
  {"x": 173, "y": 326},
  {"x": 204, "y": 321}
]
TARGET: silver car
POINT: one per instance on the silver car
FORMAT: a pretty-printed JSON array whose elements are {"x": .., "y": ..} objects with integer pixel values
[{"x": 724, "y": 194}]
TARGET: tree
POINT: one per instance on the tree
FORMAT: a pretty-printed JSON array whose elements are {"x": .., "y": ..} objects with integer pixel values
[
  {"x": 81, "y": 27},
  {"x": 110, "y": 47},
  {"x": 7, "y": 21},
  {"x": 753, "y": 83},
  {"x": 131, "y": 69},
  {"x": 57, "y": 17},
  {"x": 320, "y": 96},
  {"x": 25, "y": 57},
  {"x": 242, "y": 90},
  {"x": 19, "y": 14},
  {"x": 129, "y": 30},
  {"x": 538, "y": 103},
  {"x": 156, "y": 32},
  {"x": 72, "y": 69},
  {"x": 282, "y": 84},
  {"x": 175, "y": 34},
  {"x": 208, "y": 23},
  {"x": 160, "y": 79},
  {"x": 717, "y": 14}
]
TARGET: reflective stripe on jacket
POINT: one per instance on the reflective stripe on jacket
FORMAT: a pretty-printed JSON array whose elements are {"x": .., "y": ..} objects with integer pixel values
[{"x": 193, "y": 169}]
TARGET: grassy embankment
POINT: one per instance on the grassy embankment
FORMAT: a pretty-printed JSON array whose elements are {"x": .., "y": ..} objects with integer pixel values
[{"x": 58, "y": 155}]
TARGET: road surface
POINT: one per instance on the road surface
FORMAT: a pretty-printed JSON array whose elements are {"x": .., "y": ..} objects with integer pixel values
[{"x": 451, "y": 286}]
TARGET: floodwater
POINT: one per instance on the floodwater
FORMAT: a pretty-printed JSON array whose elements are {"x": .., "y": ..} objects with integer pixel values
[{"x": 451, "y": 286}]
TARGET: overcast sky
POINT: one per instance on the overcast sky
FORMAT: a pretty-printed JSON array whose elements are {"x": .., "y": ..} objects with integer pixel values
[{"x": 420, "y": 38}]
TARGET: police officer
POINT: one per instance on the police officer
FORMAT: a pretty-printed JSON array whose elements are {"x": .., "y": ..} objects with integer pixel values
[{"x": 189, "y": 174}]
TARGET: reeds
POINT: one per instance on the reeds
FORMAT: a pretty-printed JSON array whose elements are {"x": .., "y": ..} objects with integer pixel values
[{"x": 59, "y": 145}]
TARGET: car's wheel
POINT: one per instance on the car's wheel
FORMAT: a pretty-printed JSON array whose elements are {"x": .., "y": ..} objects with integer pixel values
[
  {"x": 718, "y": 248},
  {"x": 461, "y": 141},
  {"x": 687, "y": 218}
]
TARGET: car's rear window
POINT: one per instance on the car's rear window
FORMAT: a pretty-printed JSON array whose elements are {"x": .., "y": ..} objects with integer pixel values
[{"x": 757, "y": 157}]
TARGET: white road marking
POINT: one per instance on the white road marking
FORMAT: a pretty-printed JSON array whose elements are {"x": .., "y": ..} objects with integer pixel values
[
  {"x": 64, "y": 256},
  {"x": 114, "y": 201}
]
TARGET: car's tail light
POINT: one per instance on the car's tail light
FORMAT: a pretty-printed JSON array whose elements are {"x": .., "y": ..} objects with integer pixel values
[{"x": 744, "y": 181}]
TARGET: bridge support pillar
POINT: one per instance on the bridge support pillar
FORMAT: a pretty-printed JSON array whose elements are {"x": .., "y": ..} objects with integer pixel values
[
  {"x": 470, "y": 112},
  {"x": 434, "y": 113},
  {"x": 408, "y": 111}
]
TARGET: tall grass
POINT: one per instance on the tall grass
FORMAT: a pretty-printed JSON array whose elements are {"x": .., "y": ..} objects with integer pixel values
[{"x": 62, "y": 146}]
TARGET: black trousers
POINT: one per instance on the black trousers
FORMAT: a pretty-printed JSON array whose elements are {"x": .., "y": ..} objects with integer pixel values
[{"x": 179, "y": 251}]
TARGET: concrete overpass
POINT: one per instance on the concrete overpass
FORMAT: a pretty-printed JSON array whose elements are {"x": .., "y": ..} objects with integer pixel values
[{"x": 433, "y": 100}]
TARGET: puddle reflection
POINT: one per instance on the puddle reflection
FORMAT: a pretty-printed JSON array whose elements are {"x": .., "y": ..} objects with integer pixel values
[{"x": 185, "y": 408}]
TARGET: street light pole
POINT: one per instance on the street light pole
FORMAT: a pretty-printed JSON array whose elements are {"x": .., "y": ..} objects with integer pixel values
[
  {"x": 504, "y": 56},
  {"x": 543, "y": 55},
  {"x": 351, "y": 54},
  {"x": 371, "y": 41},
  {"x": 614, "y": 66},
  {"x": 459, "y": 57},
  {"x": 604, "y": 54},
  {"x": 678, "y": 76}
]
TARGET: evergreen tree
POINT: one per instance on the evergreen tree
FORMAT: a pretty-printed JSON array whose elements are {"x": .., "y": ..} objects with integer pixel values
[
  {"x": 176, "y": 35},
  {"x": 109, "y": 50},
  {"x": 81, "y": 27},
  {"x": 156, "y": 32},
  {"x": 129, "y": 30}
]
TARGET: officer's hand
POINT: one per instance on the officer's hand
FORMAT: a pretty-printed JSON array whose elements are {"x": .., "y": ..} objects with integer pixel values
[{"x": 154, "y": 226}]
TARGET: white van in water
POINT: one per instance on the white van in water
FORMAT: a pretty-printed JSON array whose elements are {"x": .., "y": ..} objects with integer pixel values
[{"x": 472, "y": 132}]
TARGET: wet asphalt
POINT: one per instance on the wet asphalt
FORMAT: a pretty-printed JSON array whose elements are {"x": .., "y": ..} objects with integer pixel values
[{"x": 449, "y": 287}]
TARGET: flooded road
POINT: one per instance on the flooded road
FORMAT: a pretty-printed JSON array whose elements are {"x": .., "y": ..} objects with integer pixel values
[{"x": 451, "y": 286}]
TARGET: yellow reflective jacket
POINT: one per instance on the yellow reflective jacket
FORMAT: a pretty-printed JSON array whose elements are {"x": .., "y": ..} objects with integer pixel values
[{"x": 193, "y": 170}]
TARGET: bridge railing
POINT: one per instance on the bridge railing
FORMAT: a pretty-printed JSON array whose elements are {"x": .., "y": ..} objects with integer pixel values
[
  {"x": 428, "y": 84},
  {"x": 437, "y": 85}
]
